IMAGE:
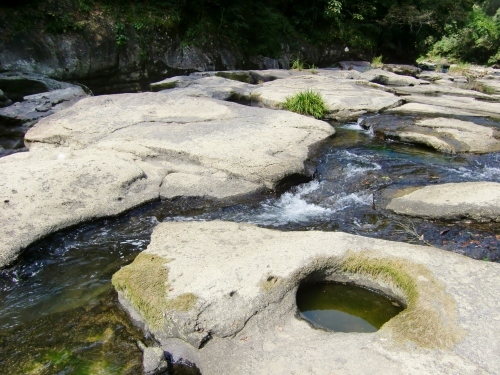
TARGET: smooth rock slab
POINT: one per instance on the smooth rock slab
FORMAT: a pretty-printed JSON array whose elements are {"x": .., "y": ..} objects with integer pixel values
[
  {"x": 446, "y": 135},
  {"x": 43, "y": 192},
  {"x": 231, "y": 287},
  {"x": 459, "y": 103},
  {"x": 345, "y": 99},
  {"x": 108, "y": 154},
  {"x": 472, "y": 200},
  {"x": 254, "y": 144}
]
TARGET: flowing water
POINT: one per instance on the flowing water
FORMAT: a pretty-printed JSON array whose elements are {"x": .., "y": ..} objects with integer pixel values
[{"x": 59, "y": 315}]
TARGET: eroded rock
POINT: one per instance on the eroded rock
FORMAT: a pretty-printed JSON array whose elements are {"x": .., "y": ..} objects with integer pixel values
[
  {"x": 239, "y": 297},
  {"x": 479, "y": 201},
  {"x": 443, "y": 134},
  {"x": 107, "y": 154}
]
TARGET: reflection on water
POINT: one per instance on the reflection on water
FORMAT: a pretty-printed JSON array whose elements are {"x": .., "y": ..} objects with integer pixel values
[{"x": 345, "y": 308}]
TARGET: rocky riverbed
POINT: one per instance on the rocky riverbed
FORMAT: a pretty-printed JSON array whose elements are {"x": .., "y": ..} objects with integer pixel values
[{"x": 192, "y": 139}]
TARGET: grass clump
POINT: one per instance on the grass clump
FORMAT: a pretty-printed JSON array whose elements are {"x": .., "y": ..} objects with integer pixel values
[
  {"x": 307, "y": 102},
  {"x": 298, "y": 64},
  {"x": 144, "y": 283},
  {"x": 377, "y": 62}
]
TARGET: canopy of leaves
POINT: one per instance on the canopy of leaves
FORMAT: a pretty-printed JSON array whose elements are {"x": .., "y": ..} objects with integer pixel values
[{"x": 397, "y": 29}]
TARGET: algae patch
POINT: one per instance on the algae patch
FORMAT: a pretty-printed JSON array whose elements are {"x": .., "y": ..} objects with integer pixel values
[
  {"x": 430, "y": 319},
  {"x": 144, "y": 283}
]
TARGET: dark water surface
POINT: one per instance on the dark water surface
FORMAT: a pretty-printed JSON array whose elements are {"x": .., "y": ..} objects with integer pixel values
[
  {"x": 341, "y": 307},
  {"x": 59, "y": 315}
]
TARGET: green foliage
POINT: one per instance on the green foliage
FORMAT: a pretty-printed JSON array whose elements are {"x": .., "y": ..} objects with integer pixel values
[
  {"x": 120, "y": 37},
  {"x": 307, "y": 102},
  {"x": 478, "y": 40}
]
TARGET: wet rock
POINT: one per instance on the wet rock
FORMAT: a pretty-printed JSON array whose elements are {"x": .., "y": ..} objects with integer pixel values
[
  {"x": 384, "y": 77},
  {"x": 108, "y": 154},
  {"x": 402, "y": 69},
  {"x": 345, "y": 99},
  {"x": 443, "y": 134},
  {"x": 360, "y": 66},
  {"x": 242, "y": 283},
  {"x": 479, "y": 201},
  {"x": 4, "y": 101}
]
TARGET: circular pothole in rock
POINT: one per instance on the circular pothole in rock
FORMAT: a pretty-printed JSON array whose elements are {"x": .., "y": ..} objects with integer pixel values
[{"x": 345, "y": 307}]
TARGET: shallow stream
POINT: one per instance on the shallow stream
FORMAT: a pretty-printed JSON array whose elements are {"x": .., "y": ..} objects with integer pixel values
[{"x": 59, "y": 314}]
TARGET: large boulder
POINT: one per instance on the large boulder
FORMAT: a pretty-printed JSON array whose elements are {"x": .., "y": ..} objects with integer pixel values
[
  {"x": 107, "y": 154},
  {"x": 345, "y": 99},
  {"x": 479, "y": 201},
  {"x": 226, "y": 293},
  {"x": 446, "y": 135}
]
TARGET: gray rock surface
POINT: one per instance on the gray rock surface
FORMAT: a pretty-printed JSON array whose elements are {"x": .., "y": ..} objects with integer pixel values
[
  {"x": 345, "y": 99},
  {"x": 479, "y": 201},
  {"x": 232, "y": 287},
  {"x": 402, "y": 69},
  {"x": 210, "y": 87},
  {"x": 433, "y": 110},
  {"x": 107, "y": 154},
  {"x": 479, "y": 107},
  {"x": 37, "y": 106},
  {"x": 446, "y": 135},
  {"x": 384, "y": 77},
  {"x": 435, "y": 90}
]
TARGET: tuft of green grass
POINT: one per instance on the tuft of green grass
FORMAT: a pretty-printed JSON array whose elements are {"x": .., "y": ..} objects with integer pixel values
[
  {"x": 306, "y": 102},
  {"x": 298, "y": 64},
  {"x": 377, "y": 62}
]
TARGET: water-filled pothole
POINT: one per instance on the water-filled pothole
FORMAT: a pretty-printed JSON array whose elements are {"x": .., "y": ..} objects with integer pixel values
[{"x": 341, "y": 307}]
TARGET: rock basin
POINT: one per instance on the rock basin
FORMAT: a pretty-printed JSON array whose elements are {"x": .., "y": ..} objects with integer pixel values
[{"x": 229, "y": 289}]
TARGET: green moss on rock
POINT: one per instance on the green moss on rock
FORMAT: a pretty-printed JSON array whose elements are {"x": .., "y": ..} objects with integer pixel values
[{"x": 144, "y": 283}]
